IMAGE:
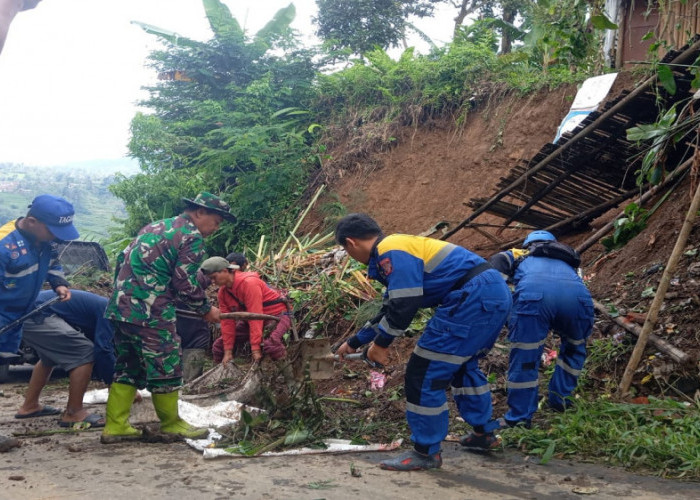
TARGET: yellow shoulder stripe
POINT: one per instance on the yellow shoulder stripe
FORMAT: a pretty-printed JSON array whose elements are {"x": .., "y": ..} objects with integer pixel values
[
  {"x": 418, "y": 246},
  {"x": 7, "y": 229}
]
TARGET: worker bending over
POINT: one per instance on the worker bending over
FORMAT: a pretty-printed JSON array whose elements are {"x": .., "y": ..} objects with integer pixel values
[
  {"x": 549, "y": 295},
  {"x": 472, "y": 303}
]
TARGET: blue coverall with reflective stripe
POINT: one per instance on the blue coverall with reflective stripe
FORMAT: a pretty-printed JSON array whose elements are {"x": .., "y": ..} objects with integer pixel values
[
  {"x": 549, "y": 295},
  {"x": 422, "y": 272},
  {"x": 24, "y": 266}
]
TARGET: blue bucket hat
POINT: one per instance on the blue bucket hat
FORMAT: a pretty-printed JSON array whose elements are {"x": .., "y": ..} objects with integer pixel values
[{"x": 57, "y": 214}]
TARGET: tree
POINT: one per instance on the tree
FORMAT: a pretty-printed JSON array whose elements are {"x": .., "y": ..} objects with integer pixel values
[
  {"x": 225, "y": 124},
  {"x": 361, "y": 25}
]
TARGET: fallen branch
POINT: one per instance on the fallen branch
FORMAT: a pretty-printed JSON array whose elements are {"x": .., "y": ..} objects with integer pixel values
[{"x": 670, "y": 350}]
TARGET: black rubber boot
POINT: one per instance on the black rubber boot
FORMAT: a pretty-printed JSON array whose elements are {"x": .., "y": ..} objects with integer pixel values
[
  {"x": 504, "y": 423},
  {"x": 481, "y": 442},
  {"x": 412, "y": 460}
]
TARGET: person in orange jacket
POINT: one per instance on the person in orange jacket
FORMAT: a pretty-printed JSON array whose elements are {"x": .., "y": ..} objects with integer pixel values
[{"x": 245, "y": 291}]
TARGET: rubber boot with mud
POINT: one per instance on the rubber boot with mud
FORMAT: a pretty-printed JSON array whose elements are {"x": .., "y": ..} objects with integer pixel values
[
  {"x": 192, "y": 363},
  {"x": 170, "y": 421},
  {"x": 117, "y": 428}
]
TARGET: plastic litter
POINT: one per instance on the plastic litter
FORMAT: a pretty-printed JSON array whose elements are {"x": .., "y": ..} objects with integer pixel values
[{"x": 376, "y": 380}]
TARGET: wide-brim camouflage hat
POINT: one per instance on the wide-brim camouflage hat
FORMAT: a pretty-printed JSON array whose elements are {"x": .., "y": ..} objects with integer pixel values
[{"x": 212, "y": 203}]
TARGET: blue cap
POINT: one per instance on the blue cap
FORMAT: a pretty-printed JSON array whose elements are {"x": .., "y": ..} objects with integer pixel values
[
  {"x": 538, "y": 236},
  {"x": 57, "y": 214}
]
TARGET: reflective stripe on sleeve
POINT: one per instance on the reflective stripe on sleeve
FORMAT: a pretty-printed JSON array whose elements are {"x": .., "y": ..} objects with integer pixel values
[
  {"x": 406, "y": 292},
  {"x": 437, "y": 259},
  {"x": 24, "y": 272},
  {"x": 394, "y": 332}
]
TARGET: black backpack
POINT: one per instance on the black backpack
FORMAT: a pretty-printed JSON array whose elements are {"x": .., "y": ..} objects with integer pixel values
[{"x": 555, "y": 250}]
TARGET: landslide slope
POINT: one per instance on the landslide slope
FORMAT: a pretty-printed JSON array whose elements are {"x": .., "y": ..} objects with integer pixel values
[{"x": 412, "y": 177}]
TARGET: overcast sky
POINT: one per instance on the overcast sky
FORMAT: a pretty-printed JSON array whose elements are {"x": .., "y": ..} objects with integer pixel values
[{"x": 71, "y": 70}]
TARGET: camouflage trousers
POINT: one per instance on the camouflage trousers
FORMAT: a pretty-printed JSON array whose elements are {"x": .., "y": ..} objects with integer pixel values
[{"x": 147, "y": 358}]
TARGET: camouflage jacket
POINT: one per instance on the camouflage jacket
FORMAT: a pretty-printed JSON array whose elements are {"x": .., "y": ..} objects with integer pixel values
[{"x": 157, "y": 268}]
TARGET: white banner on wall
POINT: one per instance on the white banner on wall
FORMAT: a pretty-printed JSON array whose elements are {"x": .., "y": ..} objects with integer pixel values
[{"x": 587, "y": 100}]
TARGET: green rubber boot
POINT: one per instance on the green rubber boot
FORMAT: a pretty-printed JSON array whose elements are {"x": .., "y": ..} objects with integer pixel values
[
  {"x": 170, "y": 421},
  {"x": 117, "y": 428}
]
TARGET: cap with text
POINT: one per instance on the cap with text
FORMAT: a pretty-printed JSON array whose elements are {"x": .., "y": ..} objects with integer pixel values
[{"x": 57, "y": 213}]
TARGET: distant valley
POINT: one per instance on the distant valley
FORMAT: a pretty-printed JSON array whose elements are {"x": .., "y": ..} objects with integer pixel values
[{"x": 85, "y": 184}]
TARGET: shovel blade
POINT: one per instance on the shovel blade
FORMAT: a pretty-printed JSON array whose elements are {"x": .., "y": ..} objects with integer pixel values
[{"x": 315, "y": 352}]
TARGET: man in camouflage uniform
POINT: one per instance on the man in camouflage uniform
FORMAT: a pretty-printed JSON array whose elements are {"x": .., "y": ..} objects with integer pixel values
[{"x": 156, "y": 269}]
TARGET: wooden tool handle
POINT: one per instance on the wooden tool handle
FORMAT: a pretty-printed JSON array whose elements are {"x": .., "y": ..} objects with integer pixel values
[{"x": 248, "y": 316}]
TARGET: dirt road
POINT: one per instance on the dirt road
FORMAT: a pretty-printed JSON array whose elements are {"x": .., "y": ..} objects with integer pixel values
[{"x": 79, "y": 467}]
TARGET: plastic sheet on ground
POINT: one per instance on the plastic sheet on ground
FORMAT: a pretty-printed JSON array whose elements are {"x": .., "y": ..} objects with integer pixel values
[
  {"x": 99, "y": 396},
  {"x": 223, "y": 413},
  {"x": 332, "y": 446},
  {"x": 228, "y": 413}
]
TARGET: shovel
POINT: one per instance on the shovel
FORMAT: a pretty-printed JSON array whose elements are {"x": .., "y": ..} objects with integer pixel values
[
  {"x": 317, "y": 354},
  {"x": 31, "y": 313}
]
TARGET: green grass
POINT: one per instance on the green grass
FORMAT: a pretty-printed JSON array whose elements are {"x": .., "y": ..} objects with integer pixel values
[{"x": 662, "y": 437}]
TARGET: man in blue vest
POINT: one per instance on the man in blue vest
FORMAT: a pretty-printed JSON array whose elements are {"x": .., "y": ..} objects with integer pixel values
[
  {"x": 28, "y": 258},
  {"x": 549, "y": 295},
  {"x": 472, "y": 303}
]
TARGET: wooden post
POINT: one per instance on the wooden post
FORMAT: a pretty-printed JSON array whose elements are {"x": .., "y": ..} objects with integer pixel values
[{"x": 653, "y": 313}]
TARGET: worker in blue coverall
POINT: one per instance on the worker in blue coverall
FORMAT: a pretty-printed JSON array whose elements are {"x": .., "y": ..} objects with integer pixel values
[
  {"x": 473, "y": 303},
  {"x": 549, "y": 295},
  {"x": 28, "y": 257},
  {"x": 85, "y": 312}
]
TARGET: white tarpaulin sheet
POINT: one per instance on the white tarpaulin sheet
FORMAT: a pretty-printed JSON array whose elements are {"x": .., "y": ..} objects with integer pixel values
[
  {"x": 228, "y": 413},
  {"x": 222, "y": 413},
  {"x": 332, "y": 446},
  {"x": 587, "y": 100}
]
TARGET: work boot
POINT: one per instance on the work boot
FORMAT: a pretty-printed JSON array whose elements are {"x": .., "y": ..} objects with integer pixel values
[
  {"x": 117, "y": 427},
  {"x": 481, "y": 442},
  {"x": 504, "y": 423},
  {"x": 412, "y": 460},
  {"x": 170, "y": 421},
  {"x": 192, "y": 363}
]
